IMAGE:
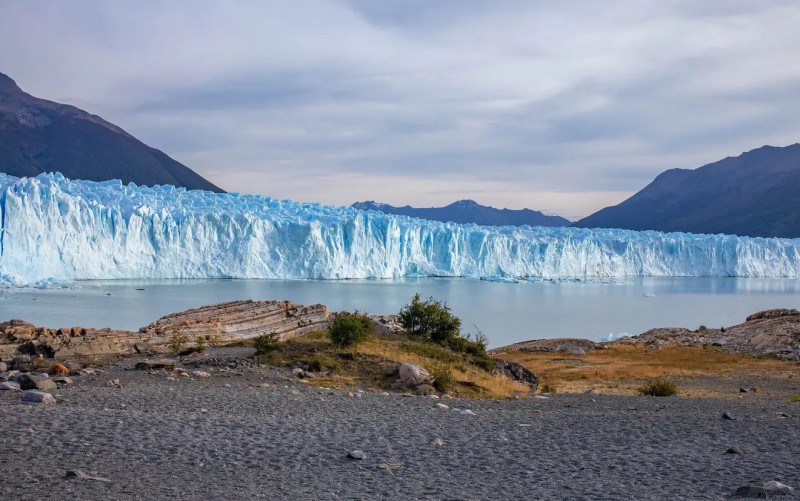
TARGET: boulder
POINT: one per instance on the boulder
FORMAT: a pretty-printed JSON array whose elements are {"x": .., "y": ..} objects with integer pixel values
[
  {"x": 58, "y": 370},
  {"x": 22, "y": 363},
  {"x": 517, "y": 372},
  {"x": 62, "y": 380},
  {"x": 37, "y": 397},
  {"x": 28, "y": 382},
  {"x": 414, "y": 375}
]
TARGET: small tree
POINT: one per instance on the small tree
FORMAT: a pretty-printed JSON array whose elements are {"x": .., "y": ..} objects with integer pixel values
[
  {"x": 430, "y": 320},
  {"x": 348, "y": 329},
  {"x": 266, "y": 343}
]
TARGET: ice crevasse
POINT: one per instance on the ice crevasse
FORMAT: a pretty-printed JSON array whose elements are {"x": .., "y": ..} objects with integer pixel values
[{"x": 60, "y": 229}]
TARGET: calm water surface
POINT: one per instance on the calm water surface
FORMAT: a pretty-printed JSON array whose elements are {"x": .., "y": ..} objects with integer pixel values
[{"x": 506, "y": 312}]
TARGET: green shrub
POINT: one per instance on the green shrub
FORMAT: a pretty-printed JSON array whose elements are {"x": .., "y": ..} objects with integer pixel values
[
  {"x": 348, "y": 329},
  {"x": 430, "y": 320},
  {"x": 794, "y": 399},
  {"x": 177, "y": 341},
  {"x": 547, "y": 388},
  {"x": 658, "y": 387},
  {"x": 266, "y": 343},
  {"x": 443, "y": 379},
  {"x": 200, "y": 345}
]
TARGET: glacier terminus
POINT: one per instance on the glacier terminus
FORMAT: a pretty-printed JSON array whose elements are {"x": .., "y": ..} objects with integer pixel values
[{"x": 54, "y": 228}]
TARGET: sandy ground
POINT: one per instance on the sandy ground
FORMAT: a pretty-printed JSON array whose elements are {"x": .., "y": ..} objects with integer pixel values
[{"x": 232, "y": 437}]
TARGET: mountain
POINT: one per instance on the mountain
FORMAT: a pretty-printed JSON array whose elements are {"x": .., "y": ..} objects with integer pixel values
[
  {"x": 469, "y": 211},
  {"x": 39, "y": 136},
  {"x": 755, "y": 194}
]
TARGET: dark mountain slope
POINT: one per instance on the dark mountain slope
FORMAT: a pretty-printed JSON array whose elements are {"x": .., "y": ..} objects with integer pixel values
[
  {"x": 754, "y": 194},
  {"x": 469, "y": 211},
  {"x": 42, "y": 136}
]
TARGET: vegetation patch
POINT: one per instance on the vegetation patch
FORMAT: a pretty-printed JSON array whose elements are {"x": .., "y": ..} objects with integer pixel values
[
  {"x": 349, "y": 329},
  {"x": 658, "y": 387}
]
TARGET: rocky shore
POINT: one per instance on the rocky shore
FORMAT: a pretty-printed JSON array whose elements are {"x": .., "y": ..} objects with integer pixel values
[
  {"x": 224, "y": 427},
  {"x": 98, "y": 414}
]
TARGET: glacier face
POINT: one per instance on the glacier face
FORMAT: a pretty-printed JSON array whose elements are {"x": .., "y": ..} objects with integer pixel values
[{"x": 57, "y": 229}]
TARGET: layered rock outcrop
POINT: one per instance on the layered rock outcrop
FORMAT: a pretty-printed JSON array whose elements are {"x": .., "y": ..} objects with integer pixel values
[
  {"x": 773, "y": 333},
  {"x": 220, "y": 323}
]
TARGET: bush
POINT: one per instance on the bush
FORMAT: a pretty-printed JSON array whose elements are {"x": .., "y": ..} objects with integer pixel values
[
  {"x": 547, "y": 388},
  {"x": 266, "y": 343},
  {"x": 442, "y": 378},
  {"x": 177, "y": 341},
  {"x": 658, "y": 387},
  {"x": 200, "y": 345},
  {"x": 430, "y": 320},
  {"x": 348, "y": 329},
  {"x": 794, "y": 399}
]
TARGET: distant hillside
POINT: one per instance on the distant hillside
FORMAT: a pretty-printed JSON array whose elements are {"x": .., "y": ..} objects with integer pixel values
[
  {"x": 469, "y": 211},
  {"x": 42, "y": 136},
  {"x": 754, "y": 194}
]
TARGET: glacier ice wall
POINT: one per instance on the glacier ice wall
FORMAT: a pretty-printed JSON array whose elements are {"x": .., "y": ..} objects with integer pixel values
[{"x": 57, "y": 229}]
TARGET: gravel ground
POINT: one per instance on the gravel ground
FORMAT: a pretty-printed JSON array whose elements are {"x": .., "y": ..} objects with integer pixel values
[{"x": 231, "y": 437}]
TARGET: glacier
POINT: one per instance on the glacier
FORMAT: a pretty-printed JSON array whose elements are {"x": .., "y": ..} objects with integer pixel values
[{"x": 56, "y": 229}]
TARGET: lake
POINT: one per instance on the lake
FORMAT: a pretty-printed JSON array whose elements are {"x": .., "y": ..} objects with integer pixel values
[{"x": 505, "y": 312}]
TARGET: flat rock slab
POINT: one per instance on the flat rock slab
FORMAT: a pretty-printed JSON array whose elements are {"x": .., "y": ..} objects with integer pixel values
[
  {"x": 37, "y": 397},
  {"x": 162, "y": 363}
]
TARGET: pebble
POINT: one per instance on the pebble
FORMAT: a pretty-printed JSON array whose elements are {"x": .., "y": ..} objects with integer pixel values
[
  {"x": 84, "y": 476},
  {"x": 734, "y": 450},
  {"x": 63, "y": 380},
  {"x": 438, "y": 442},
  {"x": 37, "y": 397},
  {"x": 467, "y": 412},
  {"x": 357, "y": 454},
  {"x": 728, "y": 416},
  {"x": 442, "y": 406},
  {"x": 201, "y": 374},
  {"x": 390, "y": 466}
]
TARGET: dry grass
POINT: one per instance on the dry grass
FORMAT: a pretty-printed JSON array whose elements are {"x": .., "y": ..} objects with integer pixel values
[
  {"x": 367, "y": 364},
  {"x": 621, "y": 369}
]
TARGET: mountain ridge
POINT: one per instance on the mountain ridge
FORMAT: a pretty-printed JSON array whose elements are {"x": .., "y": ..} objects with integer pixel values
[
  {"x": 753, "y": 194},
  {"x": 469, "y": 211},
  {"x": 37, "y": 135}
]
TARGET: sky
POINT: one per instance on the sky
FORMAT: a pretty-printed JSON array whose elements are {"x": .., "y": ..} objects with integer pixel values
[{"x": 565, "y": 107}]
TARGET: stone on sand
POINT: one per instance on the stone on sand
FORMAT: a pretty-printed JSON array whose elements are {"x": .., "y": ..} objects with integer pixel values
[
  {"x": 414, "y": 375},
  {"x": 357, "y": 454},
  {"x": 750, "y": 492},
  {"x": 37, "y": 397},
  {"x": 775, "y": 487}
]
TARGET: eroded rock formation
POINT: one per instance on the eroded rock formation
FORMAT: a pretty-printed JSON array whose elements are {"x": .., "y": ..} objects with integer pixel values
[{"x": 216, "y": 324}]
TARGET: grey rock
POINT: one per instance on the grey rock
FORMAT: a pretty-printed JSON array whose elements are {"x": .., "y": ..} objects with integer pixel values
[
  {"x": 37, "y": 397},
  {"x": 63, "y": 380},
  {"x": 467, "y": 412},
  {"x": 728, "y": 416},
  {"x": 9, "y": 386},
  {"x": 3, "y": 367},
  {"x": 161, "y": 363},
  {"x": 750, "y": 492},
  {"x": 414, "y": 375},
  {"x": 517, "y": 372},
  {"x": 357, "y": 454},
  {"x": 734, "y": 450},
  {"x": 747, "y": 389},
  {"x": 425, "y": 390},
  {"x": 28, "y": 382},
  {"x": 775, "y": 487}
]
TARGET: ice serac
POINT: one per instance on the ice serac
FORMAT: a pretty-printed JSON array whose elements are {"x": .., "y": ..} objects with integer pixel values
[{"x": 57, "y": 229}]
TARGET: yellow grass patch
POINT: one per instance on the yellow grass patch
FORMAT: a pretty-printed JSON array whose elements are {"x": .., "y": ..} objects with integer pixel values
[
  {"x": 366, "y": 364},
  {"x": 621, "y": 369}
]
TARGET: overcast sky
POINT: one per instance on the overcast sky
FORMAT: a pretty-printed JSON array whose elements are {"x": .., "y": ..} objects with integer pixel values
[{"x": 560, "y": 106}]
